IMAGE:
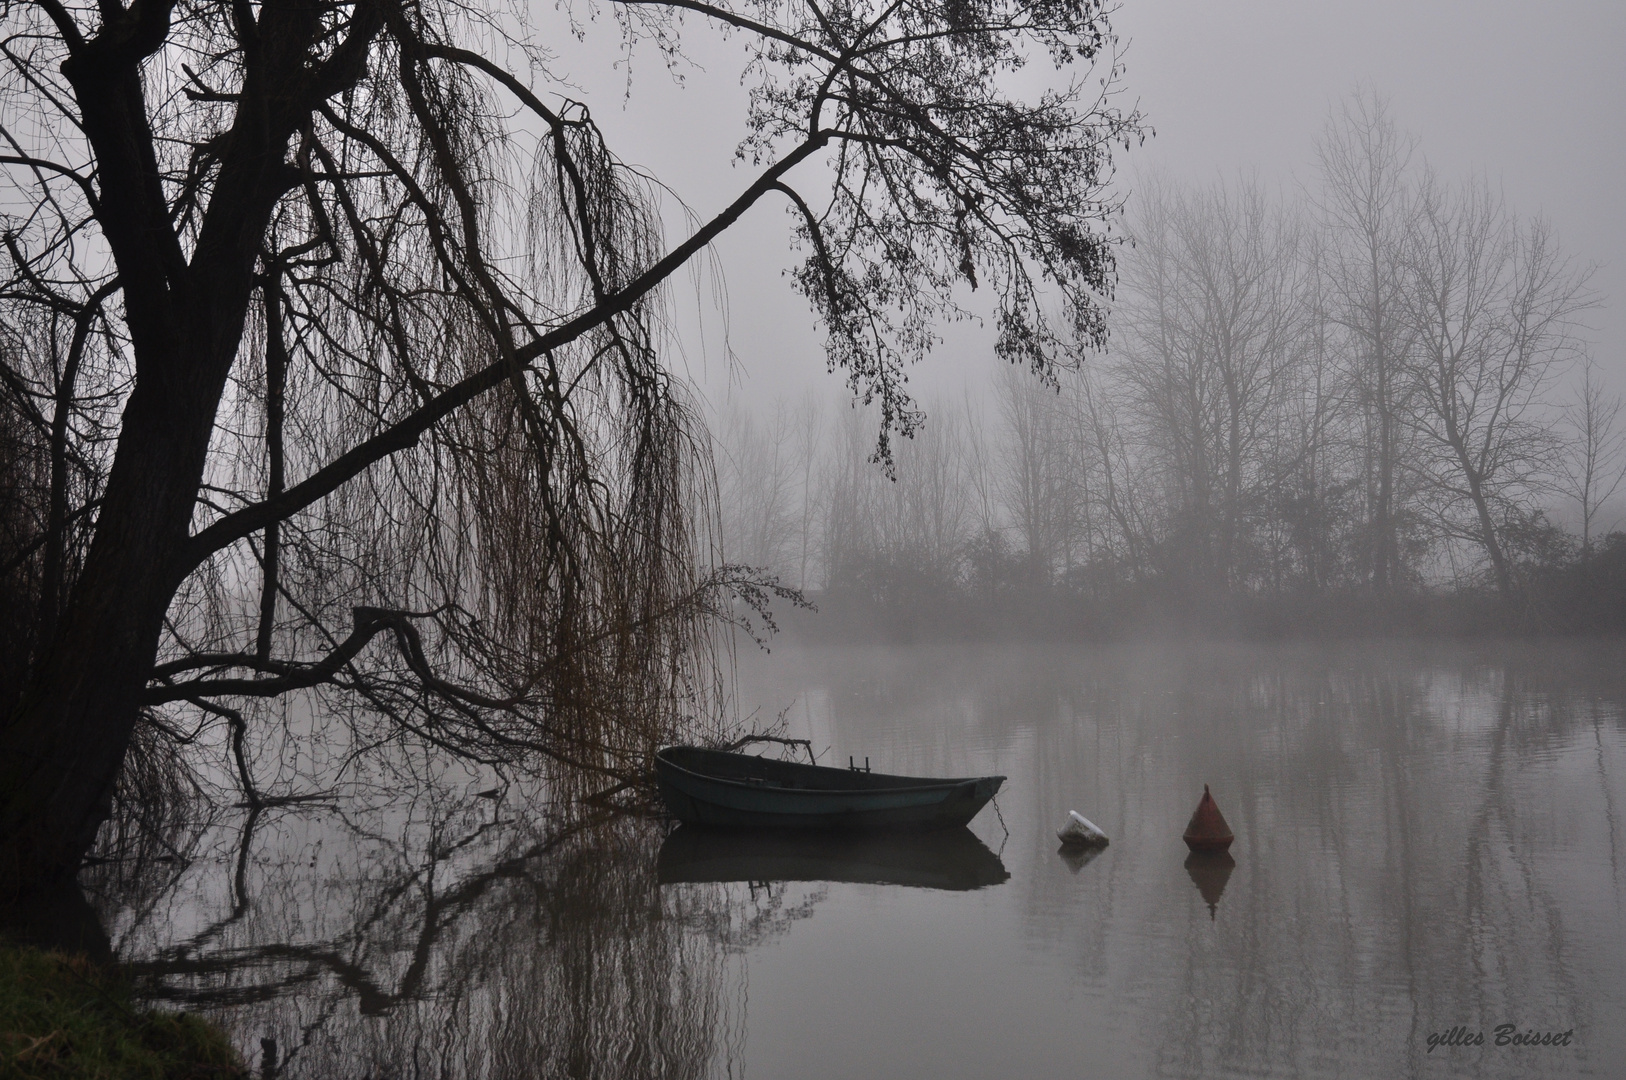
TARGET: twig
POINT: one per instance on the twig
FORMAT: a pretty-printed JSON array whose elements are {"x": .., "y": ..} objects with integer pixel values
[{"x": 745, "y": 739}]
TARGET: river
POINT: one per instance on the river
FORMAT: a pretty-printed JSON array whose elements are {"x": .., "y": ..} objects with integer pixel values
[{"x": 1428, "y": 849}]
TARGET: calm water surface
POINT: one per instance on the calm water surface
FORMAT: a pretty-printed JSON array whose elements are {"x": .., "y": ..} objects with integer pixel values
[{"x": 1428, "y": 837}]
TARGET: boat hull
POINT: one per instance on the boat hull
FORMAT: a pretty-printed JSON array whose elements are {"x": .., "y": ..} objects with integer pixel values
[{"x": 738, "y": 791}]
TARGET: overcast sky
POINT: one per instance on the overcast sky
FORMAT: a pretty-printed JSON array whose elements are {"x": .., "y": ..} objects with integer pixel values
[{"x": 1532, "y": 96}]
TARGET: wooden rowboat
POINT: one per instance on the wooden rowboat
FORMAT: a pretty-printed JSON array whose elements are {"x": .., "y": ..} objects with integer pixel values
[{"x": 722, "y": 789}]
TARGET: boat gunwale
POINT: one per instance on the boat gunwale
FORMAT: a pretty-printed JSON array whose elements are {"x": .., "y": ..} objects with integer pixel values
[{"x": 927, "y": 784}]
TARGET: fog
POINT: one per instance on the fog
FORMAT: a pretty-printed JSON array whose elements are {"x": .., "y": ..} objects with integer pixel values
[
  {"x": 1380, "y": 379},
  {"x": 1487, "y": 114},
  {"x": 1363, "y": 377},
  {"x": 1528, "y": 105}
]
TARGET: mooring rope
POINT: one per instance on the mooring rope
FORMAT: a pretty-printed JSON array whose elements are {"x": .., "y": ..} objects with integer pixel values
[{"x": 1002, "y": 825}]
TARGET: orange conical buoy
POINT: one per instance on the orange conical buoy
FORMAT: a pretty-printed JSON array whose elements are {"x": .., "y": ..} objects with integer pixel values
[{"x": 1207, "y": 830}]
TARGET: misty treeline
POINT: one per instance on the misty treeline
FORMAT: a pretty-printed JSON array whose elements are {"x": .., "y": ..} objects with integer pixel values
[{"x": 1372, "y": 386}]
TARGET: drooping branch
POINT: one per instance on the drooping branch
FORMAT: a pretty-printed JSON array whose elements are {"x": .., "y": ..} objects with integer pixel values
[
  {"x": 407, "y": 431},
  {"x": 276, "y": 381}
]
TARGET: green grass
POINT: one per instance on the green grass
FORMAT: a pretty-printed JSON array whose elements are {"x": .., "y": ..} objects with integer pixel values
[{"x": 68, "y": 1018}]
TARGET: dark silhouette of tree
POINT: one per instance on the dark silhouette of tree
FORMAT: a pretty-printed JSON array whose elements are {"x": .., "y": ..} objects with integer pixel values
[{"x": 333, "y": 346}]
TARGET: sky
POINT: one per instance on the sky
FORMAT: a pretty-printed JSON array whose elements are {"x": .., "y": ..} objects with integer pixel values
[{"x": 1532, "y": 97}]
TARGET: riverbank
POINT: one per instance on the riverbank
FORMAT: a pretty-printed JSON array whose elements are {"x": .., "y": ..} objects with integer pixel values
[
  {"x": 1579, "y": 599},
  {"x": 68, "y": 1017}
]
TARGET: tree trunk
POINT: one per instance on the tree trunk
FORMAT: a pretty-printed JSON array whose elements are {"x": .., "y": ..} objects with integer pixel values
[
  {"x": 1487, "y": 536},
  {"x": 61, "y": 751},
  {"x": 1386, "y": 550},
  {"x": 1382, "y": 572}
]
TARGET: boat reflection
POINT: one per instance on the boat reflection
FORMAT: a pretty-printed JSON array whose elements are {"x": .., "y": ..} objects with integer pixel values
[
  {"x": 1209, "y": 871},
  {"x": 952, "y": 859}
]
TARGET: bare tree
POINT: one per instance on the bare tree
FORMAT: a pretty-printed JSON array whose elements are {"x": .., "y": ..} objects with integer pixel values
[
  {"x": 1213, "y": 333},
  {"x": 1320, "y": 453},
  {"x": 1116, "y": 521},
  {"x": 894, "y": 538},
  {"x": 847, "y": 533},
  {"x": 382, "y": 364},
  {"x": 1363, "y": 206},
  {"x": 809, "y": 423},
  {"x": 1594, "y": 461},
  {"x": 1489, "y": 306},
  {"x": 1032, "y": 472},
  {"x": 756, "y": 474},
  {"x": 928, "y": 506}
]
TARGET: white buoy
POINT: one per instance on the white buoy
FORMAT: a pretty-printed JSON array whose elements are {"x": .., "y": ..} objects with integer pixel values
[{"x": 1080, "y": 831}]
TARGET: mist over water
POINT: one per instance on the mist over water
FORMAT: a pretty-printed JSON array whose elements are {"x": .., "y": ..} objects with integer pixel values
[
  {"x": 1428, "y": 837},
  {"x": 1256, "y": 428}
]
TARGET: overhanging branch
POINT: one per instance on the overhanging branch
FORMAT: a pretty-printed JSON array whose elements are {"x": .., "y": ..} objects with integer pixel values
[
  {"x": 369, "y": 623},
  {"x": 407, "y": 431}
]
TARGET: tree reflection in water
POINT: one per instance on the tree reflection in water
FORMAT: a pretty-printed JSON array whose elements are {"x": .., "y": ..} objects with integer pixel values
[
  {"x": 441, "y": 938},
  {"x": 1425, "y": 838}
]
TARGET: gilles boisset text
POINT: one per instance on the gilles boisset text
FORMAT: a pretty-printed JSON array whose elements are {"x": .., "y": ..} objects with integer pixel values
[{"x": 1502, "y": 1035}]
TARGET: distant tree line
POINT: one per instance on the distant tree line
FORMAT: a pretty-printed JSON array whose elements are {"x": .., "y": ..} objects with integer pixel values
[{"x": 1373, "y": 391}]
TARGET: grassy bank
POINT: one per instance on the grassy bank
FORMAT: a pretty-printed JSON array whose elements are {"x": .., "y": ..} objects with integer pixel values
[{"x": 68, "y": 1018}]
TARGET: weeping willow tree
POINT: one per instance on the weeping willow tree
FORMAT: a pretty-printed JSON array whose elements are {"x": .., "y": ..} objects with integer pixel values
[{"x": 332, "y": 347}]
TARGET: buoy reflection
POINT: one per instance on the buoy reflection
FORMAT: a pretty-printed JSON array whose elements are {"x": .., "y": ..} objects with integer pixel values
[
  {"x": 1077, "y": 858},
  {"x": 1209, "y": 871}
]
